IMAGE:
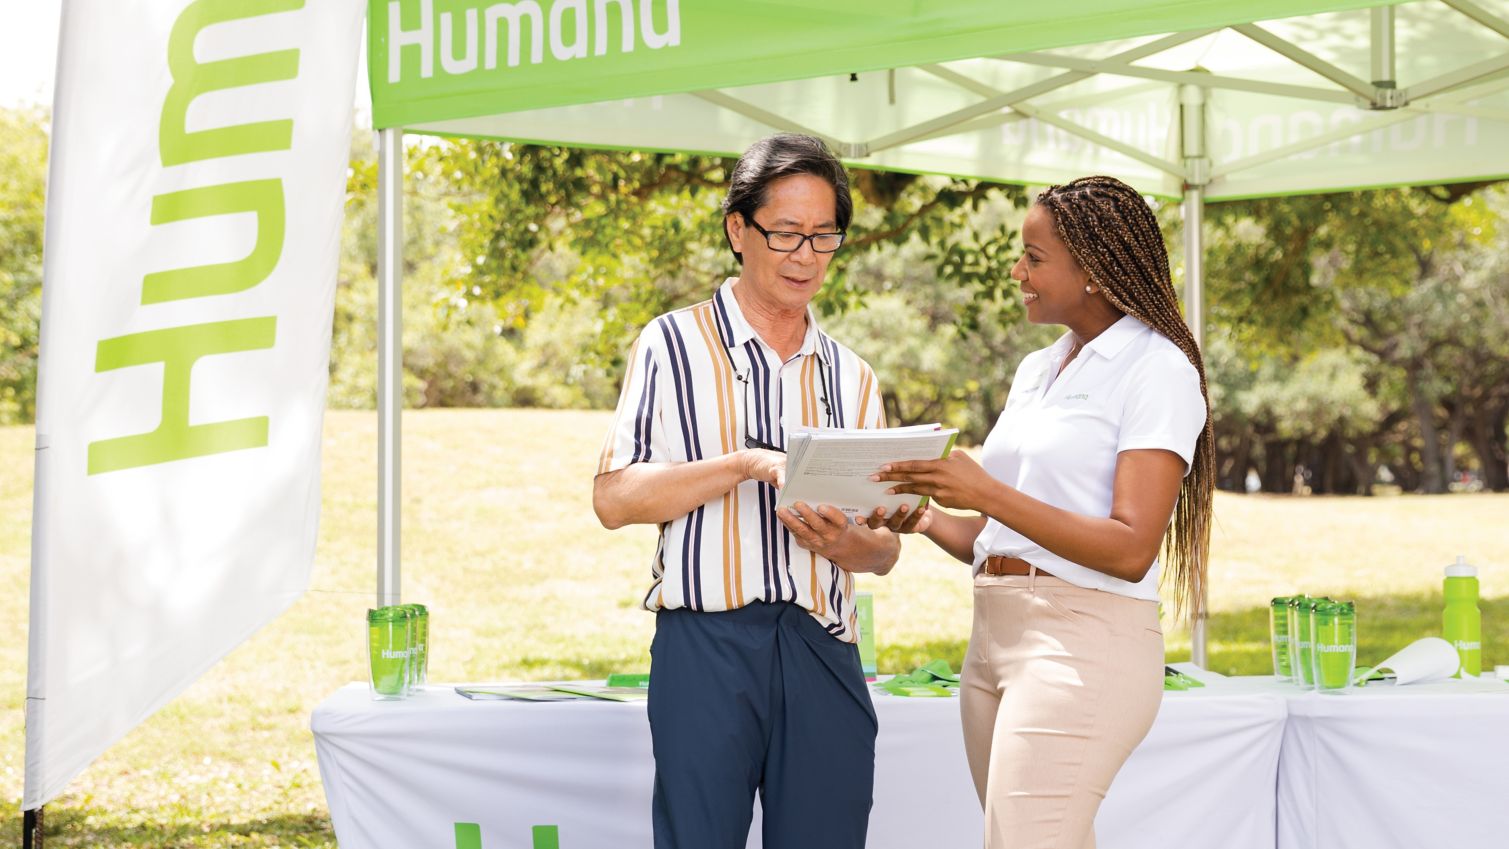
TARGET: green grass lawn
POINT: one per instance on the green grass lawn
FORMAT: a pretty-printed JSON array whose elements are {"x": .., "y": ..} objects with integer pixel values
[{"x": 500, "y": 542}]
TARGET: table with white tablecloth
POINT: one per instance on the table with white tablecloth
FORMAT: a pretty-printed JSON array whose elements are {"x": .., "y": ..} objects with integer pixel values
[
  {"x": 1415, "y": 767},
  {"x": 402, "y": 774}
]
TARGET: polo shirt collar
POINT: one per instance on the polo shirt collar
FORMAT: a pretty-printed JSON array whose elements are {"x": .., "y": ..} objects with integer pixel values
[
  {"x": 1115, "y": 338},
  {"x": 737, "y": 329}
]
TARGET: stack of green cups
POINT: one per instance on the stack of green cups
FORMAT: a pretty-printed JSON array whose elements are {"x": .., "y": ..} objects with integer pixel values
[{"x": 398, "y": 649}]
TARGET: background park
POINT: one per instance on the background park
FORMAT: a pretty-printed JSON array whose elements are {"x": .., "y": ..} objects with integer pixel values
[{"x": 1357, "y": 344}]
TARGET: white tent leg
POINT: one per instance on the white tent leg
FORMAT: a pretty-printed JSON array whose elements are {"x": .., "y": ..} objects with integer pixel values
[
  {"x": 389, "y": 361},
  {"x": 1197, "y": 169},
  {"x": 1382, "y": 46},
  {"x": 1194, "y": 314}
]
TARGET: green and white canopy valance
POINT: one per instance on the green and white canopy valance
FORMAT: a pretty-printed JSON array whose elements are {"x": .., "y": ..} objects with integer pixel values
[{"x": 1244, "y": 98}]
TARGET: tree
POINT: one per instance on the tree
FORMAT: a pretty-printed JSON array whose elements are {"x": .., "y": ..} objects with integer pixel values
[
  {"x": 1382, "y": 272},
  {"x": 640, "y": 233},
  {"x": 23, "y": 162}
]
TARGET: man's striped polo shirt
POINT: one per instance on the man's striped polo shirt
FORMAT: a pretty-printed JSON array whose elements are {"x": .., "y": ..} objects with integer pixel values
[{"x": 697, "y": 380}]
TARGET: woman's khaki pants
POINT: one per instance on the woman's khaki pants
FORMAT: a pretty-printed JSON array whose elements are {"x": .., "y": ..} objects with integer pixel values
[{"x": 1060, "y": 684}]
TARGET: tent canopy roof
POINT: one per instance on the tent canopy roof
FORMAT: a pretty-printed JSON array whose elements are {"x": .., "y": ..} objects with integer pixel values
[{"x": 1315, "y": 96}]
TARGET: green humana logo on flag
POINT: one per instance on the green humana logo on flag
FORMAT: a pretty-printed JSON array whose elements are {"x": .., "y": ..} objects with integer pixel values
[
  {"x": 469, "y": 836},
  {"x": 176, "y": 350}
]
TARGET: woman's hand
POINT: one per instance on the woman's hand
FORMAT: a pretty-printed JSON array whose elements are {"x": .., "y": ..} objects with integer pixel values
[{"x": 954, "y": 481}]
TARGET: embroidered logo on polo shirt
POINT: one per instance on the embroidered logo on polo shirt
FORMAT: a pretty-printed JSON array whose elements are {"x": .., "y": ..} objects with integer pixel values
[{"x": 1082, "y": 396}]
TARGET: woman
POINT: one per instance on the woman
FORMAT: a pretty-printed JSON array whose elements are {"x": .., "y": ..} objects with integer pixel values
[{"x": 1103, "y": 440}]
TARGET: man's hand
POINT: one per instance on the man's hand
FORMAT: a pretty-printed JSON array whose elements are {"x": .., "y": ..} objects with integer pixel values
[
  {"x": 759, "y": 464},
  {"x": 821, "y": 531},
  {"x": 853, "y": 547}
]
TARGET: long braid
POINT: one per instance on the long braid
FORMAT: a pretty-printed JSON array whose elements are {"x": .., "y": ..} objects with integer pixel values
[{"x": 1114, "y": 237}]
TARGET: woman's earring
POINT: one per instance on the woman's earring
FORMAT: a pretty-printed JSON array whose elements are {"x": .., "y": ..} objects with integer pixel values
[{"x": 1089, "y": 290}]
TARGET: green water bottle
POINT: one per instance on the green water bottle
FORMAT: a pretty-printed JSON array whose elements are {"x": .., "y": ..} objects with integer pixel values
[{"x": 1461, "y": 621}]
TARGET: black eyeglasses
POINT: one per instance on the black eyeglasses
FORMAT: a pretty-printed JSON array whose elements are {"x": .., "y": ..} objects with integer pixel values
[
  {"x": 750, "y": 440},
  {"x": 786, "y": 242}
]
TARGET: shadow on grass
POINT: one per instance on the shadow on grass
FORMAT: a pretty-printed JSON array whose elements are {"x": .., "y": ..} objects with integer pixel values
[
  {"x": 96, "y": 827},
  {"x": 1239, "y": 639}
]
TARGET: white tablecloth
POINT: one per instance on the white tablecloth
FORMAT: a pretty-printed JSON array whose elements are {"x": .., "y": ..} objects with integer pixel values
[
  {"x": 401, "y": 774},
  {"x": 1414, "y": 767}
]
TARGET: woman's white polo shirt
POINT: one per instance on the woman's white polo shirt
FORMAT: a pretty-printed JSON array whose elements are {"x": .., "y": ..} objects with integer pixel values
[{"x": 1058, "y": 438}]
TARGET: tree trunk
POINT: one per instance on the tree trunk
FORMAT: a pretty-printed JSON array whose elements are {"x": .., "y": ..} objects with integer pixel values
[
  {"x": 1362, "y": 467},
  {"x": 1456, "y": 425},
  {"x": 1333, "y": 474},
  {"x": 1430, "y": 435},
  {"x": 1278, "y": 468},
  {"x": 1407, "y": 475},
  {"x": 1489, "y": 443},
  {"x": 1234, "y": 468}
]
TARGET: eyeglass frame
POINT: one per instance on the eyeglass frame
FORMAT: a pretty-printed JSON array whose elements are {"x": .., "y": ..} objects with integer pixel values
[
  {"x": 747, "y": 378},
  {"x": 805, "y": 238}
]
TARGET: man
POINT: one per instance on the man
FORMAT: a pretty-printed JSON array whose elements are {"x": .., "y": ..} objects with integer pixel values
[{"x": 756, "y": 677}]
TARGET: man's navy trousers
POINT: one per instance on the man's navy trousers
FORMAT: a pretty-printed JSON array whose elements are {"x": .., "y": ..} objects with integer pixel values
[{"x": 758, "y": 699}]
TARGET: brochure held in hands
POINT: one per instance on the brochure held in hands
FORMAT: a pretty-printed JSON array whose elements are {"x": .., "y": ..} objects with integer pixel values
[{"x": 834, "y": 465}]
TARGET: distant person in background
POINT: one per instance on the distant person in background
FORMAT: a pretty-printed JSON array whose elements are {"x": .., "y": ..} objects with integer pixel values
[
  {"x": 755, "y": 679},
  {"x": 1104, "y": 440}
]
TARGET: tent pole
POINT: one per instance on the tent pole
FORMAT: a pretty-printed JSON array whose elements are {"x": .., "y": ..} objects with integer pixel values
[
  {"x": 31, "y": 829},
  {"x": 389, "y": 360},
  {"x": 1194, "y": 314},
  {"x": 1197, "y": 175},
  {"x": 1382, "y": 44}
]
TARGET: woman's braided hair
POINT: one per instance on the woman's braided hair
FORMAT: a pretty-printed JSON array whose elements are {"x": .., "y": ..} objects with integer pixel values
[{"x": 1114, "y": 237}]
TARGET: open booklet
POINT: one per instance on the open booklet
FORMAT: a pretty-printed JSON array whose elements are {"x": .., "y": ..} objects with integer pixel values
[{"x": 833, "y": 465}]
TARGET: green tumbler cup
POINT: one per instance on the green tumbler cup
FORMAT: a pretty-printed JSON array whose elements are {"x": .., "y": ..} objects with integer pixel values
[
  {"x": 1278, "y": 637},
  {"x": 1306, "y": 676},
  {"x": 1295, "y": 606},
  {"x": 419, "y": 646},
  {"x": 1335, "y": 639},
  {"x": 388, "y": 652}
]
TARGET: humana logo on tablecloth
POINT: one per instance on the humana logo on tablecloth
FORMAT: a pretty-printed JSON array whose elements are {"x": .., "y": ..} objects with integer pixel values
[
  {"x": 576, "y": 29},
  {"x": 469, "y": 836}
]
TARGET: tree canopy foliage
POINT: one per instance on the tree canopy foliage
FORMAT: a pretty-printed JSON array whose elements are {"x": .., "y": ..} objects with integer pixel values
[
  {"x": 1350, "y": 336},
  {"x": 23, "y": 178}
]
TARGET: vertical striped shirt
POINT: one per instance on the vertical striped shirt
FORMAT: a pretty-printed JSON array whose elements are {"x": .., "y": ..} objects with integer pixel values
[{"x": 698, "y": 380}]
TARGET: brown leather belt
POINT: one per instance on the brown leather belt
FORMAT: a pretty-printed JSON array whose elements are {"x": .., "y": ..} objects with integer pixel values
[{"x": 995, "y": 564}]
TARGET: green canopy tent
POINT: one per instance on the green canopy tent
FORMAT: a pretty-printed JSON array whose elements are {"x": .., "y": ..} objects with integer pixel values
[{"x": 1192, "y": 100}]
